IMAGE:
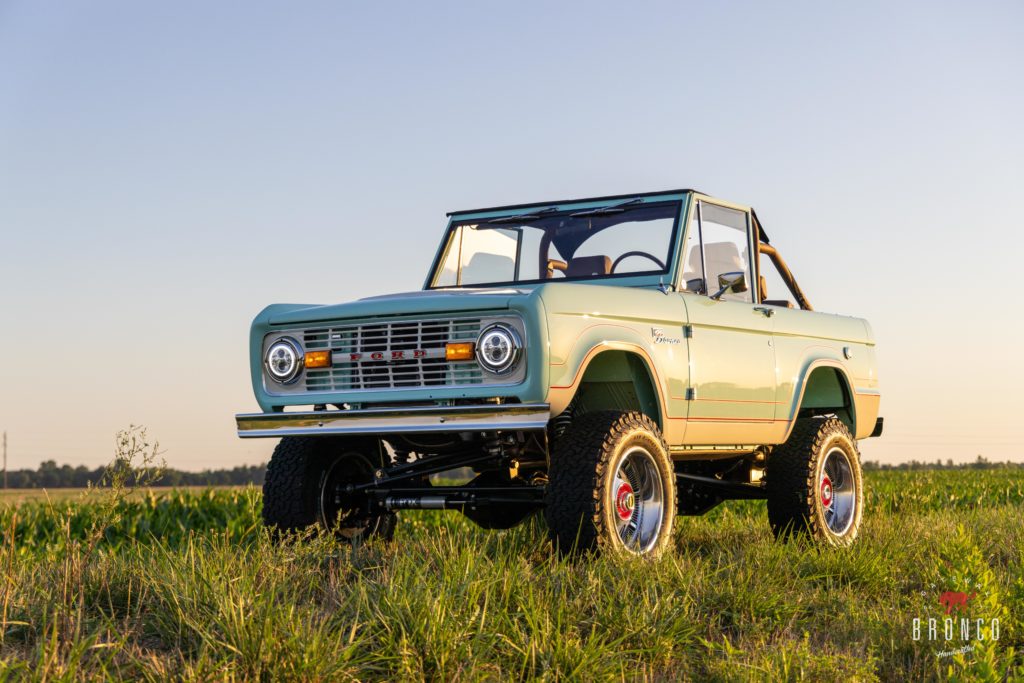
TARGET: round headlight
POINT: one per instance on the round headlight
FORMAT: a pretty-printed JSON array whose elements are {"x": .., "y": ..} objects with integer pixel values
[
  {"x": 284, "y": 361},
  {"x": 498, "y": 348}
]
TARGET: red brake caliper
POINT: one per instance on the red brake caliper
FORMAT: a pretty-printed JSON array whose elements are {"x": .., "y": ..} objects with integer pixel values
[
  {"x": 624, "y": 501},
  {"x": 826, "y": 491}
]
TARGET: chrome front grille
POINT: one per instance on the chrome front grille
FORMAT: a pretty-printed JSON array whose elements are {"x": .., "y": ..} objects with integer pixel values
[{"x": 392, "y": 355}]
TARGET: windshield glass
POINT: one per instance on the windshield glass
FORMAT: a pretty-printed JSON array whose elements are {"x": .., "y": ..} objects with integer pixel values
[{"x": 613, "y": 241}]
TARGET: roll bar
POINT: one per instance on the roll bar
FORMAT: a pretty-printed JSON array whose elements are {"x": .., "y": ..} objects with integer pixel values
[{"x": 787, "y": 275}]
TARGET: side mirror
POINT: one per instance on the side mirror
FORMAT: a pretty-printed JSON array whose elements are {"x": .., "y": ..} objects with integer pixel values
[{"x": 732, "y": 283}]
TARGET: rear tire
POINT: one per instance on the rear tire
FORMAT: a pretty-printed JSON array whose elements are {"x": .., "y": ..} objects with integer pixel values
[
  {"x": 611, "y": 486},
  {"x": 815, "y": 483},
  {"x": 305, "y": 486}
]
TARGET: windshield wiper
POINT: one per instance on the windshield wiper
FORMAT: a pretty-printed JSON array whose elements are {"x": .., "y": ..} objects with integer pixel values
[
  {"x": 605, "y": 210},
  {"x": 523, "y": 216}
]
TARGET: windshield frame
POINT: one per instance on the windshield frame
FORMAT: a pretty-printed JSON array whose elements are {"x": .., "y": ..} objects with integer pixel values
[{"x": 645, "y": 279}]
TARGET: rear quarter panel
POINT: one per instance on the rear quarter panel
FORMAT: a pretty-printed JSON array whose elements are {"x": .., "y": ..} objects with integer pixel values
[{"x": 805, "y": 340}]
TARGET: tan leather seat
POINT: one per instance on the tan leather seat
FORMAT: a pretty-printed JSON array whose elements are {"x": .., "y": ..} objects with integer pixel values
[
  {"x": 587, "y": 266},
  {"x": 781, "y": 303},
  {"x": 721, "y": 257},
  {"x": 484, "y": 267}
]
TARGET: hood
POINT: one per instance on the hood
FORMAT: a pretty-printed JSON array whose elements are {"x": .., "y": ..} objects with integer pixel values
[{"x": 406, "y": 303}]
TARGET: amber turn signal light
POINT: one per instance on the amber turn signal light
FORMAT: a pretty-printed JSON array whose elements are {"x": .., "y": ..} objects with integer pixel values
[
  {"x": 460, "y": 351},
  {"x": 318, "y": 359}
]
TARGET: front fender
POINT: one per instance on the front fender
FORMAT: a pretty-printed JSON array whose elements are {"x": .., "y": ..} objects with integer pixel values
[
  {"x": 567, "y": 376},
  {"x": 585, "y": 320}
]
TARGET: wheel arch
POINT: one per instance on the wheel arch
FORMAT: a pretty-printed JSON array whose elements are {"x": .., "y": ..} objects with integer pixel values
[
  {"x": 824, "y": 387},
  {"x": 613, "y": 376}
]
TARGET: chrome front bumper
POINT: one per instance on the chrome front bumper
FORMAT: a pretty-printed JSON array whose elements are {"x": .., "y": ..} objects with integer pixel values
[{"x": 419, "y": 419}]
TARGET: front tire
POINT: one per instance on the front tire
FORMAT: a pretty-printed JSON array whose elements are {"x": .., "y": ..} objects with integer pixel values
[
  {"x": 306, "y": 485},
  {"x": 815, "y": 483},
  {"x": 611, "y": 486}
]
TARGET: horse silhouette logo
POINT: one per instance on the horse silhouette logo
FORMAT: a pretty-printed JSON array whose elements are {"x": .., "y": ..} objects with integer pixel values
[{"x": 955, "y": 600}]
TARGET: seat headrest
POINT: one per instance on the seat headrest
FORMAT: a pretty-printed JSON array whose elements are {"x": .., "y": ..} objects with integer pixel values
[
  {"x": 718, "y": 253},
  {"x": 484, "y": 267},
  {"x": 723, "y": 252},
  {"x": 585, "y": 266}
]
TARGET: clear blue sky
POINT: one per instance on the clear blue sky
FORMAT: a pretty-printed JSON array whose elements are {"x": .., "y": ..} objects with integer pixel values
[{"x": 167, "y": 170}]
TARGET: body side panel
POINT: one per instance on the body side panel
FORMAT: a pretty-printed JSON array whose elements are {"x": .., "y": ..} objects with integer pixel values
[
  {"x": 732, "y": 373},
  {"x": 806, "y": 340},
  {"x": 731, "y": 362}
]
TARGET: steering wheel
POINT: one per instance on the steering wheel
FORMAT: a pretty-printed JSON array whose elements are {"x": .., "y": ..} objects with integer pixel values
[{"x": 635, "y": 253}]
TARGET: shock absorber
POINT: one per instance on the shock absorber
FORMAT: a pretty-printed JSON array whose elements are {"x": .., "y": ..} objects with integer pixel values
[
  {"x": 494, "y": 446},
  {"x": 561, "y": 422},
  {"x": 506, "y": 451},
  {"x": 416, "y": 502}
]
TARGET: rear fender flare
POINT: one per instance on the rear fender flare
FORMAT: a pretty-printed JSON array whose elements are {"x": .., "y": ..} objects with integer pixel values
[{"x": 810, "y": 366}]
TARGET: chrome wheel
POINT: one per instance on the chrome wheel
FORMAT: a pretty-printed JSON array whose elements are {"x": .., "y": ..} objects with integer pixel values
[
  {"x": 837, "y": 491},
  {"x": 637, "y": 500}
]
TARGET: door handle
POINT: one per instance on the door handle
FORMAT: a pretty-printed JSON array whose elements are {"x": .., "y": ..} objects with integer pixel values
[{"x": 767, "y": 311}]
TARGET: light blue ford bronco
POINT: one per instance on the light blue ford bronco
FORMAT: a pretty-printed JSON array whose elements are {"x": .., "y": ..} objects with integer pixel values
[{"x": 612, "y": 361}]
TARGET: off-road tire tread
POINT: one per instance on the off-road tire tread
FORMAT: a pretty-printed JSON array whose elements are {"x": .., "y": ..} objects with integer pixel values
[
  {"x": 286, "y": 500},
  {"x": 792, "y": 485},
  {"x": 291, "y": 482},
  {"x": 573, "y": 495}
]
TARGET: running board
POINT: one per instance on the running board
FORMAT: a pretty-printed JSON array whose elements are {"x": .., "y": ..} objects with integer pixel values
[{"x": 725, "y": 489}]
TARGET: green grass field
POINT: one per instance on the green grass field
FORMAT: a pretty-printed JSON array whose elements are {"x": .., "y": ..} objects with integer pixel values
[
  {"x": 18, "y": 496},
  {"x": 185, "y": 585}
]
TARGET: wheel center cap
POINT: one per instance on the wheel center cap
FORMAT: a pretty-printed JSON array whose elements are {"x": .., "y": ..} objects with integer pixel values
[
  {"x": 826, "y": 491},
  {"x": 625, "y": 501}
]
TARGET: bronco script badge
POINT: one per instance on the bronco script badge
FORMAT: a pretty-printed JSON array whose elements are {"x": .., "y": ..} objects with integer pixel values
[{"x": 659, "y": 337}]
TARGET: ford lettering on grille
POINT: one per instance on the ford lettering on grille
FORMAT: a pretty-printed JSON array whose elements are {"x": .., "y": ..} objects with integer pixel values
[
  {"x": 391, "y": 355},
  {"x": 396, "y": 355}
]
